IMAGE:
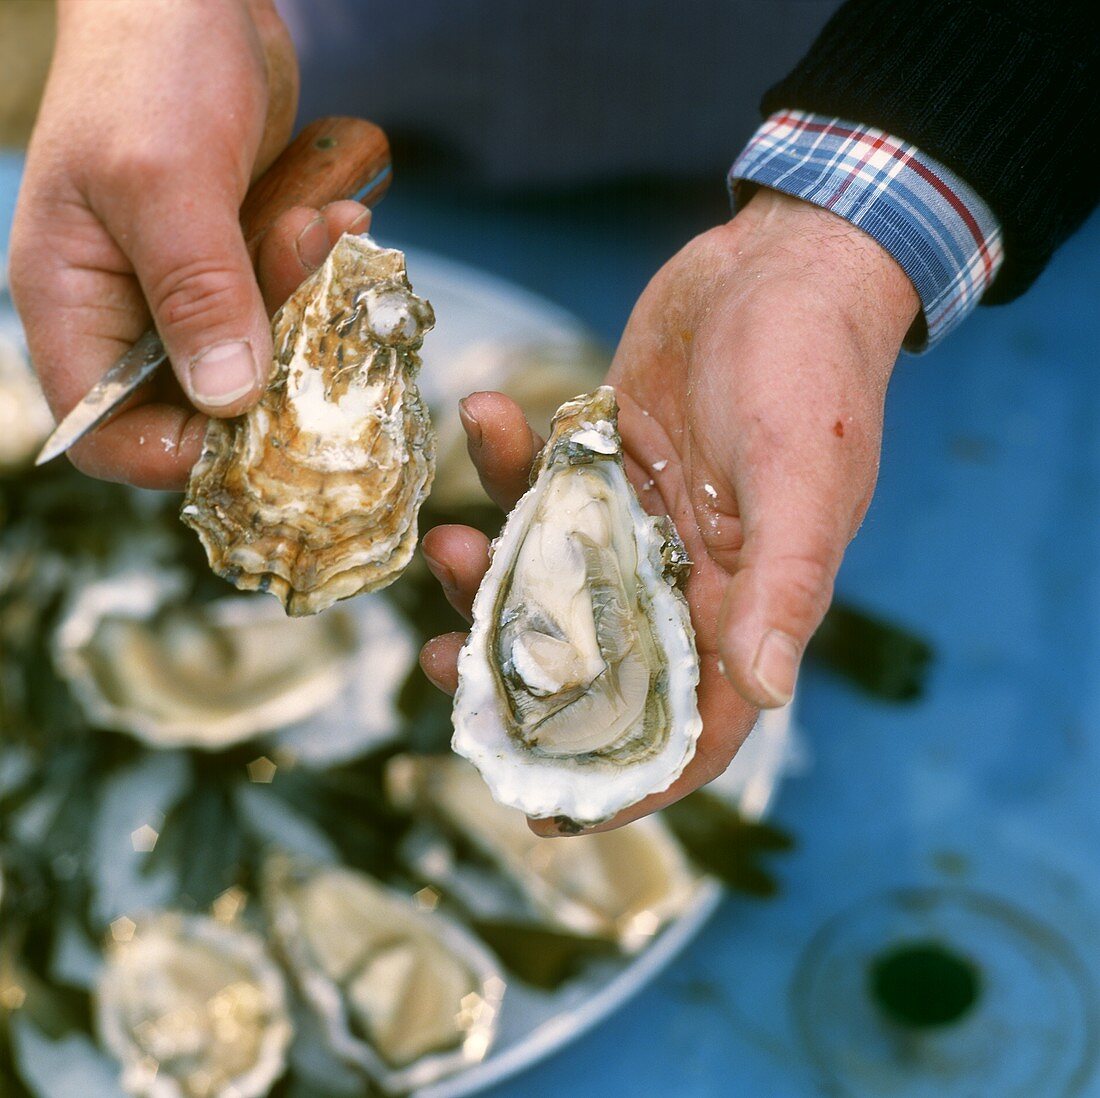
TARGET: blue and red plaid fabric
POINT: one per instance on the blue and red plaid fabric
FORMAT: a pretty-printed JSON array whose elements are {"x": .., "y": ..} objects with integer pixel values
[{"x": 943, "y": 235}]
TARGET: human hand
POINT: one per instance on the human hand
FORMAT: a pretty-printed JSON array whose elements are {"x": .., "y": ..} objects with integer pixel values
[
  {"x": 751, "y": 378},
  {"x": 156, "y": 118}
]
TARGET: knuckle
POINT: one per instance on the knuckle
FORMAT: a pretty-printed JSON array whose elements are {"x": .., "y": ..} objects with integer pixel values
[
  {"x": 801, "y": 586},
  {"x": 139, "y": 168},
  {"x": 195, "y": 294},
  {"x": 809, "y": 577}
]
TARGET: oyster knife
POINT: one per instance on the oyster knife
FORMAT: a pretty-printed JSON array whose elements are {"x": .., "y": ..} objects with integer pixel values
[{"x": 330, "y": 159}]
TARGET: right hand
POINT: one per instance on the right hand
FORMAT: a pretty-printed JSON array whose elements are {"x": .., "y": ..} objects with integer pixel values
[{"x": 156, "y": 118}]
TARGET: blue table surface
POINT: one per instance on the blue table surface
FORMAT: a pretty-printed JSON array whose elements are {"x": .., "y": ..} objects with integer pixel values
[{"x": 984, "y": 536}]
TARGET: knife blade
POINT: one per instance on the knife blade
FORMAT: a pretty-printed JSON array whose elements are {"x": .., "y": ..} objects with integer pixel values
[{"x": 330, "y": 159}]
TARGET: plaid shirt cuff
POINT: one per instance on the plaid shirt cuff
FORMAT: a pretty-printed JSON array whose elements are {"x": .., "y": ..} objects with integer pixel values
[{"x": 941, "y": 233}]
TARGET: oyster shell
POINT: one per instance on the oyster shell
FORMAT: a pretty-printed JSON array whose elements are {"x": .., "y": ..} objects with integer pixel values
[
  {"x": 313, "y": 494},
  {"x": 622, "y": 885},
  {"x": 576, "y": 693},
  {"x": 192, "y": 1009},
  {"x": 405, "y": 994},
  {"x": 25, "y": 420}
]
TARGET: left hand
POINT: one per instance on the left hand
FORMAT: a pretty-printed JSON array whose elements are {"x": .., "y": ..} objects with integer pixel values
[{"x": 751, "y": 378}]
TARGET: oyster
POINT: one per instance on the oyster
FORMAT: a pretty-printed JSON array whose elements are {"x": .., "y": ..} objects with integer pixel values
[
  {"x": 576, "y": 693},
  {"x": 313, "y": 494},
  {"x": 192, "y": 1009},
  {"x": 622, "y": 885},
  {"x": 140, "y": 658},
  {"x": 405, "y": 994},
  {"x": 25, "y": 420}
]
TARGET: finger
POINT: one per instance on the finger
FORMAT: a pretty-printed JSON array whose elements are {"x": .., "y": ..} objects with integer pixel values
[
  {"x": 79, "y": 304},
  {"x": 149, "y": 446},
  {"x": 458, "y": 557},
  {"x": 299, "y": 242},
  {"x": 501, "y": 443},
  {"x": 781, "y": 584},
  {"x": 439, "y": 660},
  {"x": 281, "y": 63},
  {"x": 727, "y": 721},
  {"x": 181, "y": 233}
]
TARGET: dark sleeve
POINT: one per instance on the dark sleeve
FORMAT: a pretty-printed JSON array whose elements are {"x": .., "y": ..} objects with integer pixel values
[{"x": 1006, "y": 94}]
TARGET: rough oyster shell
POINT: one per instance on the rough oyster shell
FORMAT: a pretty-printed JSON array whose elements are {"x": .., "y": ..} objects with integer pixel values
[
  {"x": 406, "y": 995},
  {"x": 313, "y": 494},
  {"x": 576, "y": 694},
  {"x": 622, "y": 885},
  {"x": 193, "y": 1009}
]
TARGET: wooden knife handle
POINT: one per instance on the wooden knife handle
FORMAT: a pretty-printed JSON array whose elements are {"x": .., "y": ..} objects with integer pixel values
[{"x": 330, "y": 159}]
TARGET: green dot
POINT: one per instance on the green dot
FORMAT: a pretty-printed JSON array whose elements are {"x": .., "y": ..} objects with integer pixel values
[
  {"x": 324, "y": 143},
  {"x": 923, "y": 984}
]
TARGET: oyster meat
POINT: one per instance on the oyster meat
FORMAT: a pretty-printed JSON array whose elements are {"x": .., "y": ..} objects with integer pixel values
[
  {"x": 623, "y": 885},
  {"x": 313, "y": 494},
  {"x": 140, "y": 657},
  {"x": 405, "y": 994},
  {"x": 576, "y": 694},
  {"x": 192, "y": 1009}
]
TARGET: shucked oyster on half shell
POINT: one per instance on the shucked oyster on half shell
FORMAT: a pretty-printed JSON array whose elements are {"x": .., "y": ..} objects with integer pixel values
[
  {"x": 622, "y": 885},
  {"x": 192, "y": 1009},
  {"x": 576, "y": 694},
  {"x": 313, "y": 494},
  {"x": 404, "y": 994},
  {"x": 140, "y": 658}
]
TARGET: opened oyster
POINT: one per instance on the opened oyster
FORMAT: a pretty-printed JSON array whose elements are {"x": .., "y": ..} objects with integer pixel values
[
  {"x": 313, "y": 494},
  {"x": 192, "y": 1009},
  {"x": 140, "y": 658},
  {"x": 25, "y": 420},
  {"x": 405, "y": 995},
  {"x": 576, "y": 694},
  {"x": 622, "y": 885}
]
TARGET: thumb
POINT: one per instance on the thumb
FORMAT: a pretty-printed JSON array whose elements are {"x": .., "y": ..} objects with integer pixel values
[
  {"x": 781, "y": 586},
  {"x": 185, "y": 243}
]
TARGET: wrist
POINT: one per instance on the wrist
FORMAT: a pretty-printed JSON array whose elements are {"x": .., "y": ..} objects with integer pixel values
[{"x": 851, "y": 270}]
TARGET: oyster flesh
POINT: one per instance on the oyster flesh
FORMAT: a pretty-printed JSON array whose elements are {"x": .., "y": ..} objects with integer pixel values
[
  {"x": 576, "y": 693},
  {"x": 192, "y": 1009},
  {"x": 623, "y": 885},
  {"x": 405, "y": 994},
  {"x": 139, "y": 656},
  {"x": 313, "y": 494}
]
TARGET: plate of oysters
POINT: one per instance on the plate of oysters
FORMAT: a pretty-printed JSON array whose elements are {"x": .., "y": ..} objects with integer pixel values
[{"x": 247, "y": 849}]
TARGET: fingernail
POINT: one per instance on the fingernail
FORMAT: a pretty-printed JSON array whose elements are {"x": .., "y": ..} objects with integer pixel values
[
  {"x": 312, "y": 244},
  {"x": 441, "y": 572},
  {"x": 776, "y": 666},
  {"x": 223, "y": 374},
  {"x": 470, "y": 423},
  {"x": 360, "y": 224}
]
